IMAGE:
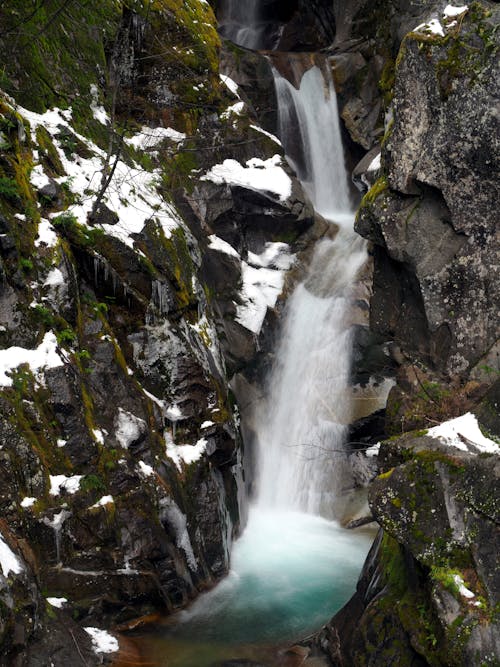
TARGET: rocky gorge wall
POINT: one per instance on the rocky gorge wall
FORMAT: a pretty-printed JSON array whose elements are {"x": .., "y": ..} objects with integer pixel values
[
  {"x": 141, "y": 258},
  {"x": 145, "y": 222},
  {"x": 418, "y": 92}
]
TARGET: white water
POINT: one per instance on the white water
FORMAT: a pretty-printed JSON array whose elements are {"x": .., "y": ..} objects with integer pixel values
[
  {"x": 241, "y": 22},
  {"x": 302, "y": 427},
  {"x": 292, "y": 569},
  {"x": 308, "y": 117}
]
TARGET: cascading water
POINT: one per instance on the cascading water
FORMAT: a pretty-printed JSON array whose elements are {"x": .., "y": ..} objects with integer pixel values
[
  {"x": 303, "y": 425},
  {"x": 242, "y": 23},
  {"x": 293, "y": 567}
]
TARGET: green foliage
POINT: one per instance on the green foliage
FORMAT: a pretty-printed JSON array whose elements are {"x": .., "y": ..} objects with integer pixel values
[
  {"x": 26, "y": 265},
  {"x": 92, "y": 483},
  {"x": 9, "y": 188},
  {"x": 44, "y": 315},
  {"x": 66, "y": 337}
]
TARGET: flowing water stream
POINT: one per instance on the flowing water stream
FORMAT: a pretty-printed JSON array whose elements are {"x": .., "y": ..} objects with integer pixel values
[{"x": 294, "y": 566}]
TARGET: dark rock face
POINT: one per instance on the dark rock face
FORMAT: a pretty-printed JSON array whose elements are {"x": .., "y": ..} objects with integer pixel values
[
  {"x": 120, "y": 466},
  {"x": 431, "y": 583},
  {"x": 431, "y": 214}
]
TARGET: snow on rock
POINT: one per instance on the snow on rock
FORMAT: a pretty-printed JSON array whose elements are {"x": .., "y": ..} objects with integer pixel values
[
  {"x": 57, "y": 520},
  {"x": 128, "y": 428},
  {"x": 98, "y": 435},
  {"x": 98, "y": 110},
  {"x": 28, "y": 501},
  {"x": 131, "y": 194},
  {"x": 60, "y": 483},
  {"x": 259, "y": 175},
  {"x": 173, "y": 413},
  {"x": 232, "y": 85},
  {"x": 207, "y": 424},
  {"x": 433, "y": 26},
  {"x": 464, "y": 433},
  {"x": 260, "y": 291},
  {"x": 46, "y": 234},
  {"x": 236, "y": 109},
  {"x": 462, "y": 589},
  {"x": 220, "y": 245},
  {"x": 38, "y": 178},
  {"x": 54, "y": 278},
  {"x": 184, "y": 453},
  {"x": 151, "y": 137},
  {"x": 452, "y": 12},
  {"x": 145, "y": 469},
  {"x": 178, "y": 521},
  {"x": 105, "y": 500},
  {"x": 9, "y": 562},
  {"x": 57, "y": 602},
  {"x": 373, "y": 450},
  {"x": 44, "y": 356},
  {"x": 267, "y": 134},
  {"x": 102, "y": 641}
]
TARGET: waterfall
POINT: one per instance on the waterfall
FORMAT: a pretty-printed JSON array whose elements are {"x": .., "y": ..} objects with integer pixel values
[
  {"x": 244, "y": 23},
  {"x": 310, "y": 131},
  {"x": 303, "y": 424}
]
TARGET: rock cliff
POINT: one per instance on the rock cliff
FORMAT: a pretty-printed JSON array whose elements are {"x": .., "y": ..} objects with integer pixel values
[{"x": 145, "y": 222}]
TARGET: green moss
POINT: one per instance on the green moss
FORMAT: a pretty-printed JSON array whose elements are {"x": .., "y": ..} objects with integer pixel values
[
  {"x": 386, "y": 83},
  {"x": 48, "y": 153},
  {"x": 380, "y": 186}
]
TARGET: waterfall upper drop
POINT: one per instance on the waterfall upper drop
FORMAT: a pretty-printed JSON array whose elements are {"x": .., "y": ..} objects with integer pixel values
[
  {"x": 310, "y": 131},
  {"x": 304, "y": 421},
  {"x": 253, "y": 24}
]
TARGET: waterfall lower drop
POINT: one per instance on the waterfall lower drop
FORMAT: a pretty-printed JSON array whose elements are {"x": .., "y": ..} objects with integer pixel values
[
  {"x": 303, "y": 425},
  {"x": 293, "y": 567}
]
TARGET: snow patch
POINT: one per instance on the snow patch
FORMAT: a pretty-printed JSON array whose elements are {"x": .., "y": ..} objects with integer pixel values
[
  {"x": 44, "y": 356},
  {"x": 184, "y": 453},
  {"x": 57, "y": 602},
  {"x": 260, "y": 291},
  {"x": 222, "y": 246},
  {"x": 234, "y": 110},
  {"x": 46, "y": 234},
  {"x": 129, "y": 428},
  {"x": 151, "y": 137},
  {"x": 102, "y": 641},
  {"x": 98, "y": 111},
  {"x": 145, "y": 469},
  {"x": 464, "y": 434},
  {"x": 28, "y": 501},
  {"x": 462, "y": 589},
  {"x": 232, "y": 85},
  {"x": 60, "y": 483},
  {"x": 375, "y": 163},
  {"x": 373, "y": 450},
  {"x": 274, "y": 255},
  {"x": 54, "y": 278},
  {"x": 452, "y": 12},
  {"x": 105, "y": 500},
  {"x": 38, "y": 178},
  {"x": 259, "y": 175},
  {"x": 267, "y": 134},
  {"x": 9, "y": 562},
  {"x": 433, "y": 26}
]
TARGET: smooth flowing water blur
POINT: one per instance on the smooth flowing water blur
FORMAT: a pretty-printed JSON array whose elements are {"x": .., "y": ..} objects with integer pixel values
[
  {"x": 292, "y": 568},
  {"x": 290, "y": 573}
]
